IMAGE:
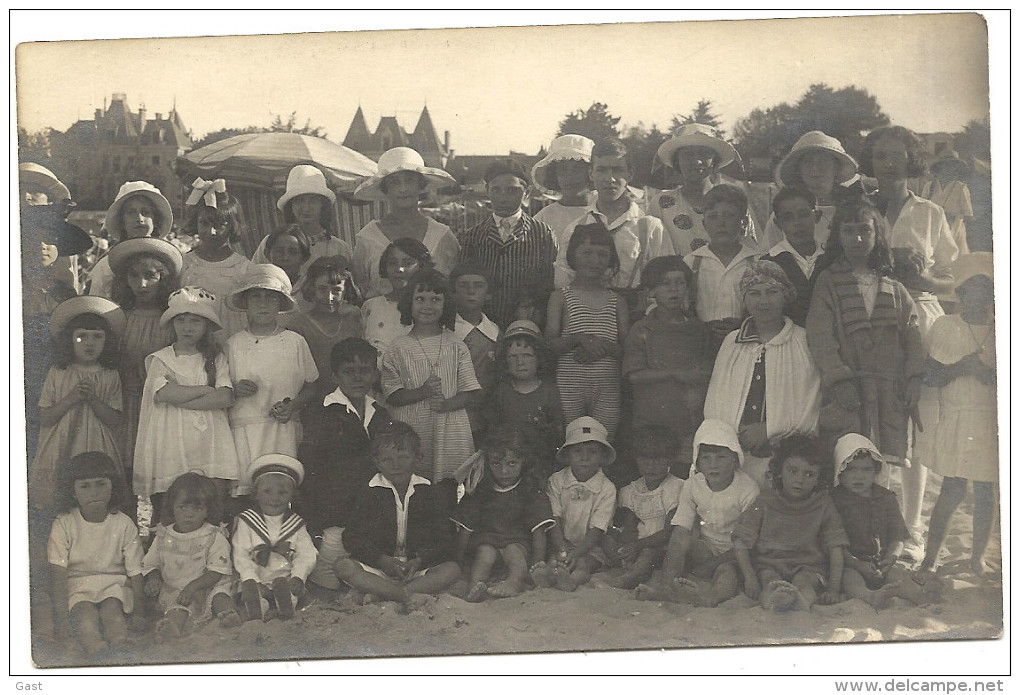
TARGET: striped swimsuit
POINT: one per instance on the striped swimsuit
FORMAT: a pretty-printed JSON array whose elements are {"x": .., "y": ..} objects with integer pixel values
[{"x": 590, "y": 389}]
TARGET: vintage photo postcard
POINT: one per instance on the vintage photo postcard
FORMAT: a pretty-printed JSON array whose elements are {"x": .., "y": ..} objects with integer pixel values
[{"x": 663, "y": 339}]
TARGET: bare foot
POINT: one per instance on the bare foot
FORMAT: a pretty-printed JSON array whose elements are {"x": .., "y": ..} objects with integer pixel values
[
  {"x": 166, "y": 630},
  {"x": 415, "y": 602},
  {"x": 229, "y": 618},
  {"x": 541, "y": 575},
  {"x": 652, "y": 592},
  {"x": 477, "y": 593},
  {"x": 982, "y": 571},
  {"x": 783, "y": 596},
  {"x": 880, "y": 597},
  {"x": 564, "y": 582},
  {"x": 506, "y": 589},
  {"x": 627, "y": 580},
  {"x": 689, "y": 591}
]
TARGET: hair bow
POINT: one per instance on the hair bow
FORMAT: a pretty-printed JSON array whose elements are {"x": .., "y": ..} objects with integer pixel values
[{"x": 206, "y": 191}]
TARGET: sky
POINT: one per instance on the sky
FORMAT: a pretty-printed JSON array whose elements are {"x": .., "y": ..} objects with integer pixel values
[{"x": 495, "y": 89}]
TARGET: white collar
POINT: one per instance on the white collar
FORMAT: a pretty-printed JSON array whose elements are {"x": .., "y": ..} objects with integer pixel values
[
  {"x": 744, "y": 252},
  {"x": 785, "y": 245},
  {"x": 379, "y": 480},
  {"x": 632, "y": 212},
  {"x": 339, "y": 397},
  {"x": 489, "y": 329},
  {"x": 593, "y": 483},
  {"x": 514, "y": 218}
]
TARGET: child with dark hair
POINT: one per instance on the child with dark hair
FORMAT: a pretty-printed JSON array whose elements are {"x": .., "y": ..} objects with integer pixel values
[
  {"x": 380, "y": 314},
  {"x": 289, "y": 249},
  {"x": 526, "y": 392},
  {"x": 637, "y": 237},
  {"x": 400, "y": 537},
  {"x": 798, "y": 252},
  {"x": 863, "y": 333},
  {"x": 331, "y": 312},
  {"x": 505, "y": 514},
  {"x": 790, "y": 543},
  {"x": 645, "y": 508},
  {"x": 514, "y": 250},
  {"x": 719, "y": 264},
  {"x": 215, "y": 218},
  {"x": 668, "y": 357},
  {"x": 585, "y": 326},
  {"x": 187, "y": 568},
  {"x": 472, "y": 291},
  {"x": 95, "y": 556},
  {"x": 428, "y": 377},
  {"x": 335, "y": 450}
]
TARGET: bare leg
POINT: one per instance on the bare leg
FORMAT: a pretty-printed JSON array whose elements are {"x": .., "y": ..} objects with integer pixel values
[
  {"x": 903, "y": 586},
  {"x": 984, "y": 516},
  {"x": 807, "y": 584},
  {"x": 953, "y": 490},
  {"x": 725, "y": 583},
  {"x": 284, "y": 599},
  {"x": 583, "y": 571},
  {"x": 251, "y": 599},
  {"x": 516, "y": 558},
  {"x": 111, "y": 615},
  {"x": 85, "y": 621},
  {"x": 386, "y": 588},
  {"x": 640, "y": 571},
  {"x": 854, "y": 586},
  {"x": 485, "y": 558},
  {"x": 435, "y": 580},
  {"x": 696, "y": 592}
]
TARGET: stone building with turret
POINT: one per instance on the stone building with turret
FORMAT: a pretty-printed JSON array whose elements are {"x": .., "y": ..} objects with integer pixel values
[
  {"x": 389, "y": 133},
  {"x": 120, "y": 145}
]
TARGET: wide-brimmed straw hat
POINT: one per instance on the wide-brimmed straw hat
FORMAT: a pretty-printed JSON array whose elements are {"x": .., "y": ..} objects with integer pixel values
[
  {"x": 697, "y": 135},
  {"x": 565, "y": 147},
  {"x": 76, "y": 306},
  {"x": 278, "y": 464},
  {"x": 849, "y": 446},
  {"x": 305, "y": 179},
  {"x": 36, "y": 174},
  {"x": 166, "y": 214},
  {"x": 47, "y": 223},
  {"x": 788, "y": 172},
  {"x": 585, "y": 429},
  {"x": 121, "y": 253},
  {"x": 264, "y": 276},
  {"x": 402, "y": 159},
  {"x": 191, "y": 300}
]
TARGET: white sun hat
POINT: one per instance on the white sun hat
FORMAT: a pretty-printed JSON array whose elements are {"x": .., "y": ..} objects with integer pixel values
[{"x": 402, "y": 159}]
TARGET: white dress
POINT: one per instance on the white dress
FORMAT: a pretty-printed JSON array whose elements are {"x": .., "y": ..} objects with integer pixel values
[
  {"x": 966, "y": 437},
  {"x": 280, "y": 365},
  {"x": 172, "y": 440},
  {"x": 561, "y": 218},
  {"x": 99, "y": 557},
  {"x": 220, "y": 278},
  {"x": 370, "y": 243},
  {"x": 181, "y": 558}
]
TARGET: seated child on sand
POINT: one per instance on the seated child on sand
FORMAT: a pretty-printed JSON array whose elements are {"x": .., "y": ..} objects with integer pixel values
[{"x": 708, "y": 509}]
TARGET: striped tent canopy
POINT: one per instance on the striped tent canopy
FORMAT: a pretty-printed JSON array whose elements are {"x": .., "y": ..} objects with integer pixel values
[
  {"x": 264, "y": 159},
  {"x": 255, "y": 168}
]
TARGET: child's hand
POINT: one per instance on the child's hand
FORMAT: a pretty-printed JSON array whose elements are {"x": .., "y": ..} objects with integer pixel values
[
  {"x": 282, "y": 411},
  {"x": 752, "y": 587},
  {"x": 153, "y": 584},
  {"x": 594, "y": 346},
  {"x": 410, "y": 567},
  {"x": 438, "y": 405},
  {"x": 911, "y": 394},
  {"x": 907, "y": 260},
  {"x": 245, "y": 388},
  {"x": 391, "y": 566},
  {"x": 753, "y": 437},
  {"x": 136, "y": 622},
  {"x": 185, "y": 597},
  {"x": 886, "y": 563},
  {"x": 297, "y": 586},
  {"x": 433, "y": 386},
  {"x": 86, "y": 389}
]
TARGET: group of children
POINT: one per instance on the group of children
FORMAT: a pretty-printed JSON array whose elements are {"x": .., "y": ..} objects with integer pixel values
[{"x": 286, "y": 428}]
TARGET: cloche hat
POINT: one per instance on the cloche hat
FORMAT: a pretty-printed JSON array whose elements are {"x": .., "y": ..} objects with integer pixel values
[
  {"x": 191, "y": 300},
  {"x": 586, "y": 429},
  {"x": 89, "y": 304},
  {"x": 697, "y": 135},
  {"x": 163, "y": 250},
  {"x": 717, "y": 433},
  {"x": 402, "y": 159},
  {"x": 576, "y": 147},
  {"x": 166, "y": 215},
  {"x": 849, "y": 446},
  {"x": 788, "y": 171},
  {"x": 264, "y": 276},
  {"x": 305, "y": 179},
  {"x": 47, "y": 223}
]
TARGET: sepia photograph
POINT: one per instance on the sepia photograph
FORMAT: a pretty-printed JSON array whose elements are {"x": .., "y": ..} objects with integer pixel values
[{"x": 667, "y": 339}]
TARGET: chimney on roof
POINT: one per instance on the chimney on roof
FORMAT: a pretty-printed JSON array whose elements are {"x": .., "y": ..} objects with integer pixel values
[
  {"x": 99, "y": 114},
  {"x": 141, "y": 117},
  {"x": 159, "y": 117},
  {"x": 446, "y": 140}
]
